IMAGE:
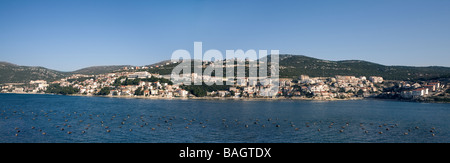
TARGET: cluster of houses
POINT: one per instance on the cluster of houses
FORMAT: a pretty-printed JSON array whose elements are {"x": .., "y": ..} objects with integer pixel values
[
  {"x": 416, "y": 90},
  {"x": 93, "y": 85},
  {"x": 336, "y": 87},
  {"x": 304, "y": 86},
  {"x": 34, "y": 86}
]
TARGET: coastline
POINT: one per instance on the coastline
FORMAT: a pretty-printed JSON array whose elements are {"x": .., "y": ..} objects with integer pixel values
[
  {"x": 222, "y": 98},
  {"x": 207, "y": 98},
  {"x": 242, "y": 99}
]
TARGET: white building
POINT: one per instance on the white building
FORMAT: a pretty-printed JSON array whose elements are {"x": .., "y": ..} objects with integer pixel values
[
  {"x": 182, "y": 92},
  {"x": 319, "y": 88},
  {"x": 42, "y": 86},
  {"x": 38, "y": 82},
  {"x": 419, "y": 92},
  {"x": 376, "y": 79},
  {"x": 143, "y": 74}
]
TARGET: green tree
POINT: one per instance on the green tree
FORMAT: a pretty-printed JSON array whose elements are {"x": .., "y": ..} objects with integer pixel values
[
  {"x": 232, "y": 93},
  {"x": 199, "y": 92},
  {"x": 139, "y": 91},
  {"x": 360, "y": 92},
  {"x": 117, "y": 81},
  {"x": 104, "y": 91},
  {"x": 57, "y": 89}
]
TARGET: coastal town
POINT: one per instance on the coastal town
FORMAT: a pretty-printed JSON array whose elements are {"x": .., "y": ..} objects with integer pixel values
[{"x": 138, "y": 82}]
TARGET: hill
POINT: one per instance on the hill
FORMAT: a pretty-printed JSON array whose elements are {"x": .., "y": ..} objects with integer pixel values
[
  {"x": 95, "y": 70},
  {"x": 295, "y": 65},
  {"x": 11, "y": 73},
  {"x": 291, "y": 66},
  {"x": 164, "y": 67}
]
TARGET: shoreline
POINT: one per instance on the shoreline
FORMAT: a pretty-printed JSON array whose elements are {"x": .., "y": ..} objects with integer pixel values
[
  {"x": 205, "y": 98},
  {"x": 240, "y": 99},
  {"x": 222, "y": 98}
]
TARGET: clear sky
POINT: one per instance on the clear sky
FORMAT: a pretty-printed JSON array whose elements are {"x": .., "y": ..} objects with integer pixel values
[{"x": 68, "y": 35}]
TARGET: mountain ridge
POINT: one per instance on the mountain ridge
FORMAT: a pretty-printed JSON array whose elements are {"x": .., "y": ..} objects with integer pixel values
[
  {"x": 12, "y": 73},
  {"x": 291, "y": 66},
  {"x": 95, "y": 70}
]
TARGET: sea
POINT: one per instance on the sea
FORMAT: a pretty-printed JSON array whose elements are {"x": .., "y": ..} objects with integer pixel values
[{"x": 44, "y": 118}]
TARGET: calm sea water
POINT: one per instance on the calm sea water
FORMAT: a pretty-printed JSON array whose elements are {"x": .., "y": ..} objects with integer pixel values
[{"x": 56, "y": 118}]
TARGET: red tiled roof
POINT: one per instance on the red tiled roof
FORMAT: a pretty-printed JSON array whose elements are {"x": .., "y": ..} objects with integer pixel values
[{"x": 419, "y": 89}]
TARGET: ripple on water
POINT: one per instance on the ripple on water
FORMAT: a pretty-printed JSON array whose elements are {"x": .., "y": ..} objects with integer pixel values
[{"x": 88, "y": 119}]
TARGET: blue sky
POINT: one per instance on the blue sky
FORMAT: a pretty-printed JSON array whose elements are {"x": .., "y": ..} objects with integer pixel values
[{"x": 69, "y": 35}]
